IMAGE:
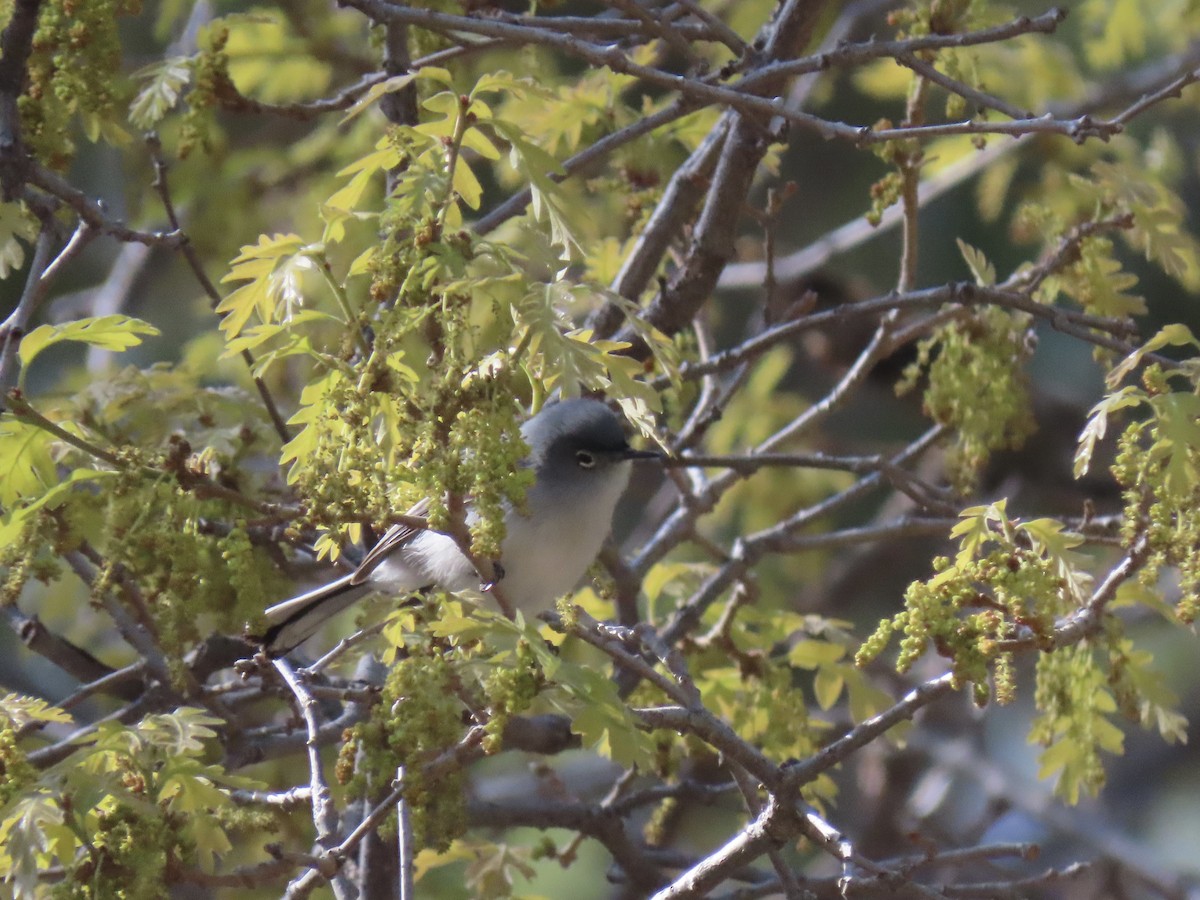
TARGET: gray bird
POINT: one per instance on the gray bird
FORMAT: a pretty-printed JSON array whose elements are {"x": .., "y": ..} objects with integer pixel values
[{"x": 581, "y": 460}]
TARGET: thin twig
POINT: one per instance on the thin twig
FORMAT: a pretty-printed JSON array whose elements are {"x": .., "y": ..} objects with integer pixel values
[
  {"x": 405, "y": 843},
  {"x": 162, "y": 186}
]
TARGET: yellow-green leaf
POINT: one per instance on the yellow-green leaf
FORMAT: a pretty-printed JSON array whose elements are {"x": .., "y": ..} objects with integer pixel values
[{"x": 114, "y": 333}]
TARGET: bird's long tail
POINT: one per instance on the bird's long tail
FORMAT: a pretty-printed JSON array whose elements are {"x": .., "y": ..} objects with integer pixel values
[{"x": 294, "y": 621}]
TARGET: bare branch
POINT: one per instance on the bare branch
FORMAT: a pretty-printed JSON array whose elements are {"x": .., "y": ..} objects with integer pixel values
[{"x": 324, "y": 815}]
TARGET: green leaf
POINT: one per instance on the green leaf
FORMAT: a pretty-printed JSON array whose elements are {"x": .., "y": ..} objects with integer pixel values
[
  {"x": 385, "y": 156},
  {"x": 1097, "y": 424},
  {"x": 866, "y": 699},
  {"x": 114, "y": 333},
  {"x": 166, "y": 81},
  {"x": 810, "y": 654},
  {"x": 181, "y": 732},
  {"x": 982, "y": 270},
  {"x": 55, "y": 496},
  {"x": 660, "y": 577},
  {"x": 183, "y": 786},
  {"x": 258, "y": 259},
  {"x": 827, "y": 686},
  {"x": 1179, "y": 432},
  {"x": 1174, "y": 335},
  {"x": 238, "y": 307},
  {"x": 269, "y": 60},
  {"x": 1064, "y": 759},
  {"x": 464, "y": 629},
  {"x": 1134, "y": 593},
  {"x": 537, "y": 166},
  {"x": 210, "y": 840},
  {"x": 466, "y": 184},
  {"x": 25, "y": 841},
  {"x": 273, "y": 268},
  {"x": 600, "y": 716},
  {"x": 26, "y": 466},
  {"x": 20, "y": 710},
  {"x": 348, "y": 196},
  {"x": 975, "y": 530},
  {"x": 16, "y": 225},
  {"x": 1098, "y": 283},
  {"x": 474, "y": 139},
  {"x": 377, "y": 91},
  {"x": 1049, "y": 536}
]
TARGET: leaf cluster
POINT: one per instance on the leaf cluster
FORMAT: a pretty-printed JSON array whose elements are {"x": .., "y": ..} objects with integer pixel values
[{"x": 123, "y": 812}]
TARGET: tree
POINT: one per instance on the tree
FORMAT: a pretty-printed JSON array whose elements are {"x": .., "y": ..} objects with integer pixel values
[{"x": 867, "y": 272}]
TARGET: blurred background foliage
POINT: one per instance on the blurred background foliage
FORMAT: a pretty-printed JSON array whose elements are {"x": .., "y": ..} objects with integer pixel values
[{"x": 345, "y": 254}]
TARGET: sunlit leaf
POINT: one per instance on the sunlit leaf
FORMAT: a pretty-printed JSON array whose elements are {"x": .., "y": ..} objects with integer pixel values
[
  {"x": 1097, "y": 425},
  {"x": 115, "y": 333},
  {"x": 165, "y": 82},
  {"x": 981, "y": 268}
]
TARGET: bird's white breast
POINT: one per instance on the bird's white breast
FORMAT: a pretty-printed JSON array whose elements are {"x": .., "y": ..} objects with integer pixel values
[{"x": 546, "y": 552}]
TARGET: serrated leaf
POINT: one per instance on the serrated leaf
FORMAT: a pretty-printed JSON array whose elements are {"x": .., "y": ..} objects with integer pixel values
[
  {"x": 384, "y": 156},
  {"x": 349, "y": 195},
  {"x": 974, "y": 530},
  {"x": 267, "y": 248},
  {"x": 25, "y": 841},
  {"x": 1097, "y": 425},
  {"x": 1098, "y": 283},
  {"x": 1059, "y": 757},
  {"x": 602, "y": 719},
  {"x": 166, "y": 81},
  {"x": 981, "y": 268},
  {"x": 537, "y": 166},
  {"x": 183, "y": 787},
  {"x": 180, "y": 732},
  {"x": 1173, "y": 335},
  {"x": 21, "y": 710},
  {"x": 115, "y": 333},
  {"x": 209, "y": 839},
  {"x": 241, "y": 304},
  {"x": 1050, "y": 537},
  {"x": 464, "y": 628},
  {"x": 272, "y": 267}
]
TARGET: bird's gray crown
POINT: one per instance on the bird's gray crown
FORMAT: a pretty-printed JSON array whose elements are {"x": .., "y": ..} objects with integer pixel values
[{"x": 570, "y": 425}]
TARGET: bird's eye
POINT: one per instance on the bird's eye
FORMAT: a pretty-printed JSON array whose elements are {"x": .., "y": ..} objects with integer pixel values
[{"x": 585, "y": 459}]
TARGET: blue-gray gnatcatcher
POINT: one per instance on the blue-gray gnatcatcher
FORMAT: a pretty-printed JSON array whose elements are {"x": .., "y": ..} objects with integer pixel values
[{"x": 581, "y": 462}]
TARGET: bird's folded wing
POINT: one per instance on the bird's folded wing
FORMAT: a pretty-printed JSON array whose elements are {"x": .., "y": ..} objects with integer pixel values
[
  {"x": 395, "y": 537},
  {"x": 297, "y": 619}
]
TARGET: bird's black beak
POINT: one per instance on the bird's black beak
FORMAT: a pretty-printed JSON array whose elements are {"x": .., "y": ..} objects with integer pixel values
[{"x": 630, "y": 453}]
